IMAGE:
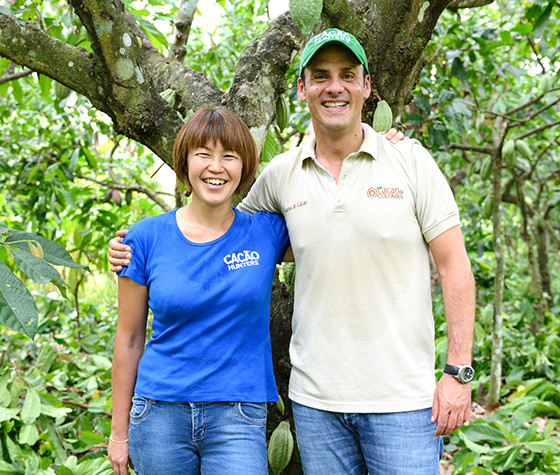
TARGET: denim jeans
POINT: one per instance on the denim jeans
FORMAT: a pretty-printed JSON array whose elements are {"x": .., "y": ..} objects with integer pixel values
[
  {"x": 401, "y": 443},
  {"x": 209, "y": 438}
]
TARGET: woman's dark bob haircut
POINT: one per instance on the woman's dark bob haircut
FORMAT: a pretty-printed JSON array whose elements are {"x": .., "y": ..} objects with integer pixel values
[{"x": 212, "y": 126}]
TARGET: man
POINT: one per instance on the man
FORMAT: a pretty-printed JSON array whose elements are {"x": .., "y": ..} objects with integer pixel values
[{"x": 362, "y": 214}]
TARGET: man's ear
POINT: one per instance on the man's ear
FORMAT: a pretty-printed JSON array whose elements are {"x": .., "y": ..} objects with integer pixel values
[
  {"x": 367, "y": 87},
  {"x": 301, "y": 90}
]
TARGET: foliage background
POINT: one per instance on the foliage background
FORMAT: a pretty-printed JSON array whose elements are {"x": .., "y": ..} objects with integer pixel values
[{"x": 67, "y": 176}]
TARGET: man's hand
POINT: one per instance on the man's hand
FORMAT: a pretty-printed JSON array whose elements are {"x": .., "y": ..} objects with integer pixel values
[
  {"x": 394, "y": 135},
  {"x": 119, "y": 254},
  {"x": 452, "y": 404}
]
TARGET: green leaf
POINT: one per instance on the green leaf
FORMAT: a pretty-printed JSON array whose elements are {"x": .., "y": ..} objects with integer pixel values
[
  {"x": 54, "y": 252},
  {"x": 270, "y": 148},
  {"x": 53, "y": 411},
  {"x": 28, "y": 434},
  {"x": 37, "y": 269},
  {"x": 548, "y": 445},
  {"x": 422, "y": 103},
  {"x": 31, "y": 408},
  {"x": 7, "y": 414},
  {"x": 542, "y": 21},
  {"x": 479, "y": 449},
  {"x": 18, "y": 310},
  {"x": 97, "y": 466},
  {"x": 17, "y": 91},
  {"x": 478, "y": 432}
]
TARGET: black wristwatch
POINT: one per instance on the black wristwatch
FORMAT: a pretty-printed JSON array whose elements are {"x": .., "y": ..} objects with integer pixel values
[{"x": 462, "y": 373}]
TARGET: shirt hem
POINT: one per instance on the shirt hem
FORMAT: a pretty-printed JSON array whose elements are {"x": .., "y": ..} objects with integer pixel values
[{"x": 361, "y": 407}]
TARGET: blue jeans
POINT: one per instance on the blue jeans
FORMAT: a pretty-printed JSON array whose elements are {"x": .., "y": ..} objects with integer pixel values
[
  {"x": 209, "y": 438},
  {"x": 401, "y": 443}
]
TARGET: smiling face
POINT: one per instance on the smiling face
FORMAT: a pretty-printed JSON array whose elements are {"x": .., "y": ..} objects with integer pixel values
[
  {"x": 214, "y": 173},
  {"x": 335, "y": 90}
]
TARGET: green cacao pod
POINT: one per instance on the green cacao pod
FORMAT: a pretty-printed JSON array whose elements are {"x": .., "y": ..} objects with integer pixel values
[
  {"x": 488, "y": 207},
  {"x": 508, "y": 152},
  {"x": 486, "y": 168},
  {"x": 523, "y": 149},
  {"x": 280, "y": 447},
  {"x": 128, "y": 197},
  {"x": 545, "y": 84},
  {"x": 306, "y": 13},
  {"x": 282, "y": 113},
  {"x": 487, "y": 316},
  {"x": 61, "y": 91},
  {"x": 289, "y": 272},
  {"x": 170, "y": 96},
  {"x": 280, "y": 405},
  {"x": 383, "y": 117}
]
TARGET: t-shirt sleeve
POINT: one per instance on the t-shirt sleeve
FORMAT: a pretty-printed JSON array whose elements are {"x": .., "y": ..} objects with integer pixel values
[
  {"x": 279, "y": 233},
  {"x": 263, "y": 195},
  {"x": 436, "y": 208},
  {"x": 136, "y": 239}
]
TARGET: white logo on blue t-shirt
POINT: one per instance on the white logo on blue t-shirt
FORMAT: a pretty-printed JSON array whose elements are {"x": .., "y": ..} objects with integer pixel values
[{"x": 238, "y": 260}]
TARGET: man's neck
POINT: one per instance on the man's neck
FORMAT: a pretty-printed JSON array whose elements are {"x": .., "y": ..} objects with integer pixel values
[{"x": 331, "y": 149}]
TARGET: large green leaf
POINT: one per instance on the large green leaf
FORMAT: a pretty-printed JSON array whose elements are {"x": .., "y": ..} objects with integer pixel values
[
  {"x": 478, "y": 432},
  {"x": 37, "y": 269},
  {"x": 53, "y": 252},
  {"x": 18, "y": 310},
  {"x": 31, "y": 408}
]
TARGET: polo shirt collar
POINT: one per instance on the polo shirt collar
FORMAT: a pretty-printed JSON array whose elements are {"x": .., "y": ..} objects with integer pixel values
[{"x": 369, "y": 145}]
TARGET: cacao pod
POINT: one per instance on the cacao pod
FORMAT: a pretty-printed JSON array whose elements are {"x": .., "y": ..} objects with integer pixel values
[
  {"x": 289, "y": 272},
  {"x": 128, "y": 197},
  {"x": 280, "y": 405},
  {"x": 383, "y": 117},
  {"x": 508, "y": 152},
  {"x": 486, "y": 168},
  {"x": 282, "y": 113},
  {"x": 523, "y": 149},
  {"x": 170, "y": 96},
  {"x": 488, "y": 207},
  {"x": 280, "y": 447},
  {"x": 487, "y": 316},
  {"x": 116, "y": 197},
  {"x": 61, "y": 91},
  {"x": 306, "y": 13},
  {"x": 108, "y": 195},
  {"x": 545, "y": 84}
]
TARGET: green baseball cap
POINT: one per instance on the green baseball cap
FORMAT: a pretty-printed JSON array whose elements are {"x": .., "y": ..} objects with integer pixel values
[{"x": 332, "y": 36}]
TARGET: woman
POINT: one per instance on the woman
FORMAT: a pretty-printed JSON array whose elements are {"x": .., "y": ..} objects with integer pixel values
[{"x": 194, "y": 401}]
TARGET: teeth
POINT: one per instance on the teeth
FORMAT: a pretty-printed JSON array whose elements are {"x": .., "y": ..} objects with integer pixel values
[
  {"x": 334, "y": 104},
  {"x": 214, "y": 181}
]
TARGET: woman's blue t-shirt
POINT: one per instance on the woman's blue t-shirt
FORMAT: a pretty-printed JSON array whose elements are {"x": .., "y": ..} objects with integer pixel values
[{"x": 210, "y": 303}]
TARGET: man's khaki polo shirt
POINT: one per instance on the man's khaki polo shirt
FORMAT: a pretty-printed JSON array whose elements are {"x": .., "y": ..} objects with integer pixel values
[{"x": 363, "y": 331}]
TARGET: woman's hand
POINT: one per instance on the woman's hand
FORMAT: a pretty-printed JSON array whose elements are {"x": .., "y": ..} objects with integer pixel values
[{"x": 118, "y": 456}]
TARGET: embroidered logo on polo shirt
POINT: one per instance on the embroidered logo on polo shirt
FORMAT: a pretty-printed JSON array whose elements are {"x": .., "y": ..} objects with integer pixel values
[
  {"x": 238, "y": 260},
  {"x": 383, "y": 192},
  {"x": 299, "y": 204}
]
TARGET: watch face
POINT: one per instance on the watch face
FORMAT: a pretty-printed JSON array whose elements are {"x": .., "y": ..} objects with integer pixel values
[{"x": 466, "y": 374}]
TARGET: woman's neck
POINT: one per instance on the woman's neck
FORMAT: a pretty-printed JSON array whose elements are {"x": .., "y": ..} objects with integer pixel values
[{"x": 200, "y": 223}]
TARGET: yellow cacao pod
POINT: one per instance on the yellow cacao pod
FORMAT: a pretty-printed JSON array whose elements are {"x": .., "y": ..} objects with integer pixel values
[
  {"x": 383, "y": 117},
  {"x": 486, "y": 168},
  {"x": 61, "y": 91},
  {"x": 280, "y": 447},
  {"x": 306, "y": 13},
  {"x": 523, "y": 149},
  {"x": 488, "y": 207},
  {"x": 282, "y": 113}
]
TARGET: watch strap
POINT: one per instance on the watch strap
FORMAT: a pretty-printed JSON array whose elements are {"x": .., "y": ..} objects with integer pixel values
[{"x": 451, "y": 370}]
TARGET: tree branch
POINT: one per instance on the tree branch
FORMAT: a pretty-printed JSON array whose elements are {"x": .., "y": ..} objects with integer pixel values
[
  {"x": 14, "y": 76},
  {"x": 182, "y": 28},
  {"x": 459, "y": 4},
  {"x": 260, "y": 76}
]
